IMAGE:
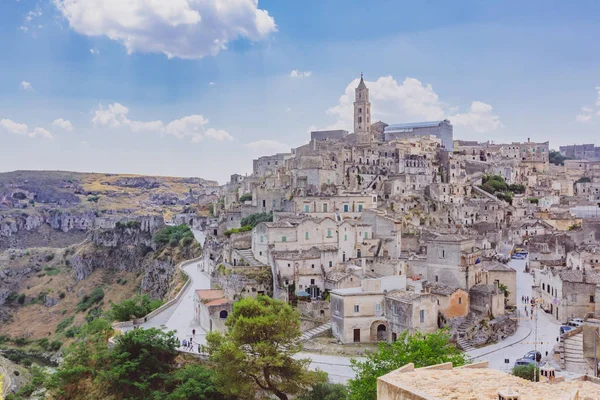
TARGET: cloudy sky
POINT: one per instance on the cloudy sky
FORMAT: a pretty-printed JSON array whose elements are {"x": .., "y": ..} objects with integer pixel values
[{"x": 201, "y": 87}]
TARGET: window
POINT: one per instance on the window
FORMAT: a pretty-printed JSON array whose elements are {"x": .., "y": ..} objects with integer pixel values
[
  {"x": 330, "y": 264},
  {"x": 437, "y": 278},
  {"x": 460, "y": 300},
  {"x": 422, "y": 316},
  {"x": 442, "y": 253},
  {"x": 306, "y": 208},
  {"x": 324, "y": 207},
  {"x": 345, "y": 207},
  {"x": 345, "y": 238},
  {"x": 312, "y": 281},
  {"x": 261, "y": 238},
  {"x": 592, "y": 300},
  {"x": 312, "y": 266},
  {"x": 366, "y": 235},
  {"x": 378, "y": 308},
  {"x": 289, "y": 265},
  {"x": 356, "y": 308},
  {"x": 359, "y": 109},
  {"x": 306, "y": 235},
  {"x": 359, "y": 120},
  {"x": 284, "y": 239},
  {"x": 328, "y": 233},
  {"x": 360, "y": 207},
  {"x": 543, "y": 286},
  {"x": 396, "y": 309}
]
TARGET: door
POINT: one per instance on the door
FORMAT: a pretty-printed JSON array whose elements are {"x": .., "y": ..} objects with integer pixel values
[
  {"x": 381, "y": 333},
  {"x": 357, "y": 336}
]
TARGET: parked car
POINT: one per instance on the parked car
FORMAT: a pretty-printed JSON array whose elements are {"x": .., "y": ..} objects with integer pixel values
[
  {"x": 565, "y": 328},
  {"x": 575, "y": 322},
  {"x": 524, "y": 361},
  {"x": 519, "y": 256},
  {"x": 533, "y": 355}
]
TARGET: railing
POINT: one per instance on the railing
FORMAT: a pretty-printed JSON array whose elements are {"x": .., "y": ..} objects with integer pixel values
[{"x": 117, "y": 326}]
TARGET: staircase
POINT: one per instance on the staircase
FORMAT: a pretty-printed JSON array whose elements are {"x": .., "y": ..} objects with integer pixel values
[
  {"x": 572, "y": 354},
  {"x": 249, "y": 257},
  {"x": 462, "y": 341},
  {"x": 319, "y": 330}
]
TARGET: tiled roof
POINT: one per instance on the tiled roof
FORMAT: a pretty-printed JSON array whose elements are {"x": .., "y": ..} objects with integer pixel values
[
  {"x": 440, "y": 288},
  {"x": 496, "y": 266},
  {"x": 403, "y": 295}
]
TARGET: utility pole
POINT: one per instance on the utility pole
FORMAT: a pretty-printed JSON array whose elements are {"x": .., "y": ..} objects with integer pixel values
[{"x": 535, "y": 364}]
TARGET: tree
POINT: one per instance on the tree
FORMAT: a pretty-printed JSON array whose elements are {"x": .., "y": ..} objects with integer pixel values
[
  {"x": 256, "y": 352},
  {"x": 326, "y": 391},
  {"x": 527, "y": 372},
  {"x": 504, "y": 289},
  {"x": 556, "y": 158},
  {"x": 194, "y": 382},
  {"x": 419, "y": 348},
  {"x": 137, "y": 307}
]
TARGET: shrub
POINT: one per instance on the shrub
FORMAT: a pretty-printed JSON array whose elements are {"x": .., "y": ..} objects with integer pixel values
[
  {"x": 186, "y": 241},
  {"x": 50, "y": 257},
  {"x": 72, "y": 331},
  {"x": 137, "y": 307},
  {"x": 55, "y": 345},
  {"x": 244, "y": 228},
  {"x": 246, "y": 197},
  {"x": 254, "y": 219},
  {"x": 21, "y": 341},
  {"x": 61, "y": 295},
  {"x": 21, "y": 298},
  {"x": 64, "y": 324},
  {"x": 172, "y": 235},
  {"x": 51, "y": 271},
  {"x": 527, "y": 372},
  {"x": 128, "y": 224},
  {"x": 88, "y": 301},
  {"x": 533, "y": 200}
]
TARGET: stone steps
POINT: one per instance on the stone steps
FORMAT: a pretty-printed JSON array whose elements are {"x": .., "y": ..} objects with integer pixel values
[
  {"x": 249, "y": 257},
  {"x": 315, "y": 332}
]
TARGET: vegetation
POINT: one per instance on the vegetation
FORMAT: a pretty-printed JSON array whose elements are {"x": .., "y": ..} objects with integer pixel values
[
  {"x": 496, "y": 185},
  {"x": 529, "y": 372},
  {"x": 255, "y": 219},
  {"x": 173, "y": 235},
  {"x": 64, "y": 324},
  {"x": 90, "y": 300},
  {"x": 517, "y": 188},
  {"x": 141, "y": 365},
  {"x": 256, "y": 354},
  {"x": 93, "y": 198},
  {"x": 128, "y": 224},
  {"x": 421, "y": 349},
  {"x": 244, "y": 228},
  {"x": 574, "y": 226},
  {"x": 583, "y": 179},
  {"x": 38, "y": 377},
  {"x": 136, "y": 307},
  {"x": 246, "y": 197},
  {"x": 533, "y": 200},
  {"x": 556, "y": 158},
  {"x": 326, "y": 391},
  {"x": 504, "y": 289},
  {"x": 51, "y": 271}
]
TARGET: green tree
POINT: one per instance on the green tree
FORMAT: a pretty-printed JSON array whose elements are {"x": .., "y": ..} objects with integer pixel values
[
  {"x": 140, "y": 363},
  {"x": 419, "y": 348},
  {"x": 194, "y": 382},
  {"x": 256, "y": 352},
  {"x": 326, "y": 391},
  {"x": 137, "y": 307},
  {"x": 556, "y": 158},
  {"x": 527, "y": 372}
]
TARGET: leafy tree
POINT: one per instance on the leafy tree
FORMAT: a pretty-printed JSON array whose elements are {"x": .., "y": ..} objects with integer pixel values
[
  {"x": 140, "y": 362},
  {"x": 194, "y": 382},
  {"x": 556, "y": 158},
  {"x": 172, "y": 234},
  {"x": 245, "y": 197},
  {"x": 419, "y": 348},
  {"x": 256, "y": 352},
  {"x": 137, "y": 307},
  {"x": 254, "y": 219},
  {"x": 527, "y": 372},
  {"x": 517, "y": 188},
  {"x": 326, "y": 391}
]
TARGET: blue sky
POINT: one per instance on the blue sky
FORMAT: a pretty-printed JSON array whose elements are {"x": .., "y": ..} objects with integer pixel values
[{"x": 189, "y": 89}]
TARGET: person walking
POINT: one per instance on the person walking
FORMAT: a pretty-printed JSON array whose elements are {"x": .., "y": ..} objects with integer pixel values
[{"x": 193, "y": 332}]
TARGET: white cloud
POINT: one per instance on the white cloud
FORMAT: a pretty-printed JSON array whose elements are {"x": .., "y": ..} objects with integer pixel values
[
  {"x": 296, "y": 74},
  {"x": 288, "y": 109},
  {"x": 23, "y": 130},
  {"x": 211, "y": 83},
  {"x": 23, "y": 28},
  {"x": 266, "y": 146},
  {"x": 177, "y": 28},
  {"x": 94, "y": 52},
  {"x": 410, "y": 100},
  {"x": 26, "y": 85},
  {"x": 192, "y": 126},
  {"x": 587, "y": 109},
  {"x": 84, "y": 143},
  {"x": 583, "y": 118},
  {"x": 479, "y": 118},
  {"x": 64, "y": 124}
]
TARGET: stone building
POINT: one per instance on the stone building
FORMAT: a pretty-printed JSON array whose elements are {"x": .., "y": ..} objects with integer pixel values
[
  {"x": 411, "y": 311},
  {"x": 499, "y": 273},
  {"x": 440, "y": 129},
  {"x": 212, "y": 309},
  {"x": 452, "y": 302},
  {"x": 487, "y": 300}
]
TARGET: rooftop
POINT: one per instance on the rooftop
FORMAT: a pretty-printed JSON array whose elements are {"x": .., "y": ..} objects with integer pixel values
[
  {"x": 403, "y": 295},
  {"x": 410, "y": 125},
  {"x": 207, "y": 295},
  {"x": 496, "y": 266},
  {"x": 476, "y": 382}
]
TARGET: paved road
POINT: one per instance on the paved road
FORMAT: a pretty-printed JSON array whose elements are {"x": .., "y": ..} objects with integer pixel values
[{"x": 525, "y": 338}]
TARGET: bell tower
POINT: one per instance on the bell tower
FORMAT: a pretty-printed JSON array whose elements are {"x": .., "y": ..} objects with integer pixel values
[{"x": 362, "y": 113}]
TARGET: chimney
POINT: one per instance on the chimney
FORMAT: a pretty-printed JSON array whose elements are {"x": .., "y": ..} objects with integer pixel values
[{"x": 508, "y": 394}]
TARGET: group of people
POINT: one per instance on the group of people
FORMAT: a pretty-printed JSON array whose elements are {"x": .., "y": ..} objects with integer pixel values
[
  {"x": 528, "y": 310},
  {"x": 188, "y": 344}
]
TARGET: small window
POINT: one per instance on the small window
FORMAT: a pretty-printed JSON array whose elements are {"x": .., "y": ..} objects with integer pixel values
[
  {"x": 422, "y": 316},
  {"x": 312, "y": 266},
  {"x": 396, "y": 312},
  {"x": 366, "y": 235},
  {"x": 345, "y": 238},
  {"x": 312, "y": 281},
  {"x": 460, "y": 300},
  {"x": 306, "y": 208},
  {"x": 360, "y": 207},
  {"x": 345, "y": 207},
  {"x": 324, "y": 207},
  {"x": 356, "y": 308},
  {"x": 330, "y": 264},
  {"x": 261, "y": 238},
  {"x": 283, "y": 239},
  {"x": 437, "y": 278},
  {"x": 289, "y": 265},
  {"x": 592, "y": 300},
  {"x": 378, "y": 307},
  {"x": 306, "y": 235},
  {"x": 328, "y": 233}
]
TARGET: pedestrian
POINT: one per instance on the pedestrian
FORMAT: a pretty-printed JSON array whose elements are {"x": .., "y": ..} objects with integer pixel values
[
  {"x": 546, "y": 353},
  {"x": 184, "y": 343},
  {"x": 193, "y": 332}
]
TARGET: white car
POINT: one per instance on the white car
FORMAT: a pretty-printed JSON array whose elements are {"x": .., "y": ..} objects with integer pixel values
[{"x": 576, "y": 322}]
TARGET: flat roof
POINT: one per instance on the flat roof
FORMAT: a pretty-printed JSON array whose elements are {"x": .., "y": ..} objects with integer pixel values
[
  {"x": 426, "y": 124},
  {"x": 443, "y": 382}
]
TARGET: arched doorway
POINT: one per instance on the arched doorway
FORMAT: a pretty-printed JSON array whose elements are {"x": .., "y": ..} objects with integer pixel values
[
  {"x": 358, "y": 253},
  {"x": 381, "y": 333},
  {"x": 223, "y": 314}
]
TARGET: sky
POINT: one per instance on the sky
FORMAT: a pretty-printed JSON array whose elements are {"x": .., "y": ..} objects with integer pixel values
[{"x": 202, "y": 87}]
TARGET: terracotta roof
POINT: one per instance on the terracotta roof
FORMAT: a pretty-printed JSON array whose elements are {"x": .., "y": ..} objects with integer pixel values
[
  {"x": 218, "y": 302},
  {"x": 209, "y": 294}
]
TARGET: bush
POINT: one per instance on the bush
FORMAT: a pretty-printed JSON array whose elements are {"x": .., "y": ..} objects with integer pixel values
[
  {"x": 186, "y": 241},
  {"x": 527, "y": 372},
  {"x": 55, "y": 345},
  {"x": 128, "y": 224},
  {"x": 137, "y": 307},
  {"x": 533, "y": 200},
  {"x": 88, "y": 301},
  {"x": 64, "y": 324},
  {"x": 246, "y": 197},
  {"x": 172, "y": 235},
  {"x": 517, "y": 188},
  {"x": 255, "y": 219},
  {"x": 61, "y": 295},
  {"x": 49, "y": 257},
  {"x": 51, "y": 271},
  {"x": 244, "y": 228},
  {"x": 72, "y": 331},
  {"x": 21, "y": 298}
]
